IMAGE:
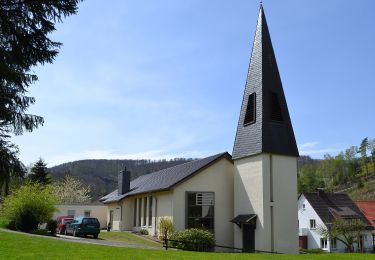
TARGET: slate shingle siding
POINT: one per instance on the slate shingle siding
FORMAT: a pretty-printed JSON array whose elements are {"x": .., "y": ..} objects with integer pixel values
[{"x": 264, "y": 136}]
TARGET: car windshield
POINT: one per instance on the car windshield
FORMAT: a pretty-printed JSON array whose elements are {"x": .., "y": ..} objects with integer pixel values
[{"x": 66, "y": 221}]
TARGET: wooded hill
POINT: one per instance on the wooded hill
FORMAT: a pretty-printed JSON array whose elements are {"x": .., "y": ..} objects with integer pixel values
[
  {"x": 101, "y": 175},
  {"x": 351, "y": 171}
]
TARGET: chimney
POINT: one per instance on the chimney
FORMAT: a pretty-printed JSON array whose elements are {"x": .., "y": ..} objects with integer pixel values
[
  {"x": 123, "y": 182},
  {"x": 320, "y": 191}
]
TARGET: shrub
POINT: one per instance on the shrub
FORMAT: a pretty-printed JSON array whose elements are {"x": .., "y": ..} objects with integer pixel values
[
  {"x": 26, "y": 221},
  {"x": 52, "y": 226},
  {"x": 165, "y": 228},
  {"x": 30, "y": 205},
  {"x": 194, "y": 240},
  {"x": 143, "y": 231}
]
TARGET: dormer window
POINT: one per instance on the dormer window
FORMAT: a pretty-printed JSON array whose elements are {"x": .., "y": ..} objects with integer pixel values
[
  {"x": 276, "y": 114},
  {"x": 250, "y": 110}
]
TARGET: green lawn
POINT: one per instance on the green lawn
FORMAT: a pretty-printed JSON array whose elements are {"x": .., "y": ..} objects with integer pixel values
[
  {"x": 128, "y": 238},
  {"x": 23, "y": 246}
]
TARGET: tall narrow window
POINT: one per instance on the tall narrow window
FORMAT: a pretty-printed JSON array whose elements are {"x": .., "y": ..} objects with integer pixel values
[
  {"x": 250, "y": 110},
  {"x": 150, "y": 211},
  {"x": 200, "y": 210},
  {"x": 312, "y": 224},
  {"x": 276, "y": 114},
  {"x": 144, "y": 210},
  {"x": 139, "y": 211},
  {"x": 135, "y": 213}
]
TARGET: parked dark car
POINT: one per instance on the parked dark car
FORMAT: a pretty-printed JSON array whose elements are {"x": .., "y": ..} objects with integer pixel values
[
  {"x": 61, "y": 223},
  {"x": 82, "y": 226}
]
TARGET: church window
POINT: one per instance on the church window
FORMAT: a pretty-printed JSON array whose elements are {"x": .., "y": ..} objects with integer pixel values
[
  {"x": 276, "y": 114},
  {"x": 200, "y": 210},
  {"x": 250, "y": 110}
]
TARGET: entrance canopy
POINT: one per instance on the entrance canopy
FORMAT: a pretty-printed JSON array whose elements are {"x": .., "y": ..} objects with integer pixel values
[{"x": 244, "y": 219}]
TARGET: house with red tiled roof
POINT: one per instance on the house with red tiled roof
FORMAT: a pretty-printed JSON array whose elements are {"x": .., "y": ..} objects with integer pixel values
[{"x": 368, "y": 209}]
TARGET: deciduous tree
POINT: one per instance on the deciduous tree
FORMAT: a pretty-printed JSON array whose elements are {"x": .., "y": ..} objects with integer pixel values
[
  {"x": 345, "y": 230},
  {"x": 72, "y": 190}
]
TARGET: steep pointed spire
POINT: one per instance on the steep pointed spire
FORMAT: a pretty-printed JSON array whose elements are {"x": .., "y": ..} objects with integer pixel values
[{"x": 264, "y": 125}]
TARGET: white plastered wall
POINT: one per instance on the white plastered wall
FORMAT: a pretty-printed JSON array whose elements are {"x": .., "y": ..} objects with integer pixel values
[
  {"x": 217, "y": 178},
  {"x": 97, "y": 211},
  {"x": 252, "y": 186}
]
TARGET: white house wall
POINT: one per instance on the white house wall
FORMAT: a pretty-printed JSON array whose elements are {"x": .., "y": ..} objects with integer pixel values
[
  {"x": 217, "y": 178},
  {"x": 97, "y": 211},
  {"x": 313, "y": 237}
]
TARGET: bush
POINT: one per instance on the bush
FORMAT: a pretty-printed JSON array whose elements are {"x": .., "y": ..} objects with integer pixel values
[
  {"x": 52, "y": 226},
  {"x": 29, "y": 206},
  {"x": 143, "y": 231},
  {"x": 165, "y": 228},
  {"x": 194, "y": 240},
  {"x": 26, "y": 221}
]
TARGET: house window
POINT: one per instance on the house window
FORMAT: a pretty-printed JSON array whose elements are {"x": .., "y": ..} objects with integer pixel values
[
  {"x": 303, "y": 206},
  {"x": 71, "y": 212},
  {"x": 87, "y": 213},
  {"x": 250, "y": 110},
  {"x": 200, "y": 210},
  {"x": 333, "y": 243},
  {"x": 144, "y": 210},
  {"x": 276, "y": 114},
  {"x": 135, "y": 213},
  {"x": 323, "y": 243},
  {"x": 139, "y": 211},
  {"x": 150, "y": 211},
  {"x": 312, "y": 224}
]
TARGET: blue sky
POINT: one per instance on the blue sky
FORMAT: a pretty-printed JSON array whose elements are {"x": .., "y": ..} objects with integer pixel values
[{"x": 164, "y": 78}]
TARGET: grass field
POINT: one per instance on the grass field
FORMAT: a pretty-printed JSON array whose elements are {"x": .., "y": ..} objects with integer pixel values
[
  {"x": 20, "y": 246},
  {"x": 128, "y": 238}
]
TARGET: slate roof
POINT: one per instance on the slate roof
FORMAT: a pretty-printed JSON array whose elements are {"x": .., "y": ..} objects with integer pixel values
[
  {"x": 329, "y": 206},
  {"x": 166, "y": 178},
  {"x": 265, "y": 135}
]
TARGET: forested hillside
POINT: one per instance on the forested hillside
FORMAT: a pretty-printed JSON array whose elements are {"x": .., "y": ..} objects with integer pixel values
[
  {"x": 351, "y": 171},
  {"x": 101, "y": 175}
]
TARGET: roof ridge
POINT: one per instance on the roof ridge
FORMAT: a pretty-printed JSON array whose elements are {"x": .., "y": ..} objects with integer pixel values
[{"x": 182, "y": 164}]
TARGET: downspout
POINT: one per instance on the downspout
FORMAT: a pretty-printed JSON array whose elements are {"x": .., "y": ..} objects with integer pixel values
[{"x": 156, "y": 217}]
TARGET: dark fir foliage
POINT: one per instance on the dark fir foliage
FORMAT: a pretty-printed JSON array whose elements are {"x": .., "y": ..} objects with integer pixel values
[
  {"x": 24, "y": 27},
  {"x": 40, "y": 173},
  {"x": 10, "y": 166},
  {"x": 24, "y": 44}
]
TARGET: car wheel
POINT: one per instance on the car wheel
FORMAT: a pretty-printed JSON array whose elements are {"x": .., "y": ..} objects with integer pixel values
[{"x": 96, "y": 236}]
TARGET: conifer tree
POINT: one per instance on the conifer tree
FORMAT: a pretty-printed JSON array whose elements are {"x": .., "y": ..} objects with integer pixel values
[
  {"x": 25, "y": 26},
  {"x": 40, "y": 173}
]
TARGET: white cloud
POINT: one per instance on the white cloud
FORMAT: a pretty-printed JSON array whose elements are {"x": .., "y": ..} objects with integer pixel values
[{"x": 313, "y": 148}]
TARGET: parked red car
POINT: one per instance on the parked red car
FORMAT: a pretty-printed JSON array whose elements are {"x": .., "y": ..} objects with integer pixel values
[{"x": 61, "y": 223}]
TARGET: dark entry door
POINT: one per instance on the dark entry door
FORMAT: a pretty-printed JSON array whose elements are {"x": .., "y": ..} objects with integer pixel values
[{"x": 248, "y": 237}]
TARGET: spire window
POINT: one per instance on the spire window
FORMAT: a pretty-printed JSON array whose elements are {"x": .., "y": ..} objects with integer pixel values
[
  {"x": 276, "y": 113},
  {"x": 250, "y": 110}
]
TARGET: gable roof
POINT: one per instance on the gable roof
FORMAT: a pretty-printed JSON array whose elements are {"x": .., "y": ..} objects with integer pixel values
[
  {"x": 265, "y": 134},
  {"x": 165, "y": 179},
  {"x": 368, "y": 209},
  {"x": 330, "y": 206}
]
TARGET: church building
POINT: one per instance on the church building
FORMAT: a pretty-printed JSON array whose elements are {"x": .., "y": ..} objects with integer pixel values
[{"x": 247, "y": 199}]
